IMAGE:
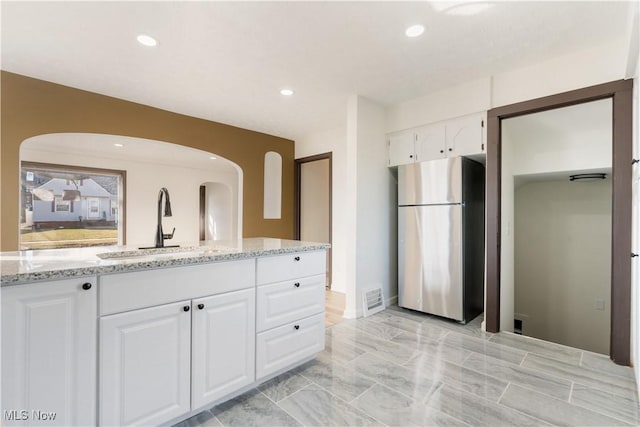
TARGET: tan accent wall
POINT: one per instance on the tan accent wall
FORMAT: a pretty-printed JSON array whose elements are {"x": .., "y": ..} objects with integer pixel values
[{"x": 31, "y": 107}]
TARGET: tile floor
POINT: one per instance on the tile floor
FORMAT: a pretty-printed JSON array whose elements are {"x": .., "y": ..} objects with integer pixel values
[{"x": 401, "y": 368}]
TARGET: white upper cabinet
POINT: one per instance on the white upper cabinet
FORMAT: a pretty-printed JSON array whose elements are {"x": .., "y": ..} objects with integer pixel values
[
  {"x": 49, "y": 353},
  {"x": 463, "y": 136},
  {"x": 430, "y": 143},
  {"x": 401, "y": 148}
]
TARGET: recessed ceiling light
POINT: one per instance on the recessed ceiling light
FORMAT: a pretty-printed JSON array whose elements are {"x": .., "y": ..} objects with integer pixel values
[
  {"x": 213, "y": 157},
  {"x": 286, "y": 92},
  {"x": 146, "y": 40},
  {"x": 118, "y": 145},
  {"x": 414, "y": 30}
]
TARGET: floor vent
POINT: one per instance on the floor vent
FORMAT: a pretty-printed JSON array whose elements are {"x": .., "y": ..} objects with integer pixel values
[{"x": 373, "y": 301}]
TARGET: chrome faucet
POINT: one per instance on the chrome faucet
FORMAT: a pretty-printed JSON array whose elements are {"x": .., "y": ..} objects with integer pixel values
[{"x": 160, "y": 236}]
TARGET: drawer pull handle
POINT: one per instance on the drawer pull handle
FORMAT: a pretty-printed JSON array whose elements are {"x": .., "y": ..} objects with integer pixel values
[
  {"x": 86, "y": 286},
  {"x": 297, "y": 258},
  {"x": 200, "y": 306},
  {"x": 296, "y": 327},
  {"x": 297, "y": 285},
  {"x": 186, "y": 308}
]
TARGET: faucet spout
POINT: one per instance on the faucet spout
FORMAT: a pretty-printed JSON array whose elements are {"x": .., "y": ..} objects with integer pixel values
[{"x": 160, "y": 236}]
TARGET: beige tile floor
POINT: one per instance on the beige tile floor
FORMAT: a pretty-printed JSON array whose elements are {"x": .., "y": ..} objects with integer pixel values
[{"x": 402, "y": 368}]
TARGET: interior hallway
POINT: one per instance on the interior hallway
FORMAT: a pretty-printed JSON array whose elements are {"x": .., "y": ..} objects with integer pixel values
[{"x": 400, "y": 367}]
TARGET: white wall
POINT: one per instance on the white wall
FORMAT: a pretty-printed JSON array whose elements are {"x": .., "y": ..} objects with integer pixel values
[
  {"x": 144, "y": 180},
  {"x": 587, "y": 67},
  {"x": 562, "y": 262},
  {"x": 334, "y": 141},
  {"x": 460, "y": 100},
  {"x": 376, "y": 217}
]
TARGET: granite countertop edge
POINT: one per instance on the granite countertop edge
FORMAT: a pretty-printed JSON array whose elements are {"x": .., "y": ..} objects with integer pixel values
[{"x": 148, "y": 264}]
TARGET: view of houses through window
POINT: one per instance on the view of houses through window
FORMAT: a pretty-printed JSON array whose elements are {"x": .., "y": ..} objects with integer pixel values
[{"x": 66, "y": 206}]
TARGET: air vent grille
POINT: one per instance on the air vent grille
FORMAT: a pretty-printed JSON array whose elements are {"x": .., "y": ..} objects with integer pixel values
[{"x": 373, "y": 301}]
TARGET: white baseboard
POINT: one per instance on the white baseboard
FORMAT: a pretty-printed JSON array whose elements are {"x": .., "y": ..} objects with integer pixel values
[{"x": 350, "y": 314}]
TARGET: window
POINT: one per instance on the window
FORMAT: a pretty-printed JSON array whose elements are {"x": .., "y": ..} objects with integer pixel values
[
  {"x": 69, "y": 206},
  {"x": 62, "y": 205}
]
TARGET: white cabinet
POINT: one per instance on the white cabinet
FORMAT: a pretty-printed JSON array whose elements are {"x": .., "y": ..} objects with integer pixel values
[
  {"x": 145, "y": 370},
  {"x": 283, "y": 346},
  {"x": 284, "y": 302},
  {"x": 223, "y": 345},
  {"x": 430, "y": 143},
  {"x": 463, "y": 136},
  {"x": 290, "y": 310},
  {"x": 186, "y": 338},
  {"x": 49, "y": 353},
  {"x": 401, "y": 148}
]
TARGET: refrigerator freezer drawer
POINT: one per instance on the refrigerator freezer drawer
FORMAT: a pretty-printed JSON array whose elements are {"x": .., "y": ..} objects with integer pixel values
[
  {"x": 430, "y": 259},
  {"x": 432, "y": 182}
]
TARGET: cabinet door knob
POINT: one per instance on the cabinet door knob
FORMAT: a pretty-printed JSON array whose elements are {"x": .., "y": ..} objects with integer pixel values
[
  {"x": 450, "y": 149},
  {"x": 297, "y": 258},
  {"x": 86, "y": 286},
  {"x": 411, "y": 156},
  {"x": 186, "y": 308},
  {"x": 442, "y": 151},
  {"x": 297, "y": 284},
  {"x": 200, "y": 306},
  {"x": 296, "y": 327}
]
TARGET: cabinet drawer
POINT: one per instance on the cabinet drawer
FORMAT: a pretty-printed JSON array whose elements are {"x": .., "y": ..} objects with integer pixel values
[
  {"x": 286, "y": 345},
  {"x": 285, "y": 267},
  {"x": 129, "y": 291},
  {"x": 285, "y": 302}
]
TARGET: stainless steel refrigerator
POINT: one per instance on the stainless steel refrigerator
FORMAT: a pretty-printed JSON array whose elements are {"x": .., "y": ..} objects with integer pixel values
[{"x": 441, "y": 237}]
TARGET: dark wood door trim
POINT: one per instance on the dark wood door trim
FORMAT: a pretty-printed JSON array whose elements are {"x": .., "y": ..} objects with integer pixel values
[
  {"x": 620, "y": 92},
  {"x": 297, "y": 200}
]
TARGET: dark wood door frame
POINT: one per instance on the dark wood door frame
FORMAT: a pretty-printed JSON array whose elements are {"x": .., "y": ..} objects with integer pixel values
[
  {"x": 620, "y": 92},
  {"x": 297, "y": 198}
]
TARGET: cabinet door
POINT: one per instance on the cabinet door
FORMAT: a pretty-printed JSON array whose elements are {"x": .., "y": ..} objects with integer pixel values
[
  {"x": 430, "y": 143},
  {"x": 49, "y": 353},
  {"x": 401, "y": 149},
  {"x": 145, "y": 365},
  {"x": 464, "y": 136},
  {"x": 223, "y": 347}
]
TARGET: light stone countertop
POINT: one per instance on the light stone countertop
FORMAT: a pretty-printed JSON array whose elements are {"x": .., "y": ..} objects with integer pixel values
[{"x": 52, "y": 264}]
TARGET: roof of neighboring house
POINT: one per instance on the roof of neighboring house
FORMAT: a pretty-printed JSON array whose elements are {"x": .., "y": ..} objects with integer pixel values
[{"x": 87, "y": 187}]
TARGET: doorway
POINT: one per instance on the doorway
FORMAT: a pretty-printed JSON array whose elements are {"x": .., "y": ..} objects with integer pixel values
[
  {"x": 556, "y": 217},
  {"x": 620, "y": 92},
  {"x": 313, "y": 191}
]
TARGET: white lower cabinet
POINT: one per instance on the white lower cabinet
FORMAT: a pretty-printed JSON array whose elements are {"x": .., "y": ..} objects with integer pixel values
[
  {"x": 49, "y": 353},
  {"x": 223, "y": 345},
  {"x": 283, "y": 346},
  {"x": 285, "y": 302},
  {"x": 145, "y": 370}
]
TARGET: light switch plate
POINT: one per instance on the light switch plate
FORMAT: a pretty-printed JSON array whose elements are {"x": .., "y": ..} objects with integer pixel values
[{"x": 599, "y": 304}]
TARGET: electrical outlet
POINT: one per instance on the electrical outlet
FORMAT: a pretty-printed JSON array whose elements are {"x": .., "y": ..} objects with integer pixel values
[{"x": 599, "y": 304}]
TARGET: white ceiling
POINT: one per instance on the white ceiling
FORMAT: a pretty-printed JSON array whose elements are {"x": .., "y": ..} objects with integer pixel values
[{"x": 226, "y": 61}]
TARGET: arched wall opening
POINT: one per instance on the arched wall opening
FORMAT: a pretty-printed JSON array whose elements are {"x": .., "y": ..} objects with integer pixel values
[{"x": 149, "y": 166}]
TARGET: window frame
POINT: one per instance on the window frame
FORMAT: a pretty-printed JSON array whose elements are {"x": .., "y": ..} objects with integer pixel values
[{"x": 122, "y": 190}]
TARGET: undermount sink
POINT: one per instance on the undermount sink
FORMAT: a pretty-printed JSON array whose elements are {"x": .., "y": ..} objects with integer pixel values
[{"x": 160, "y": 253}]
